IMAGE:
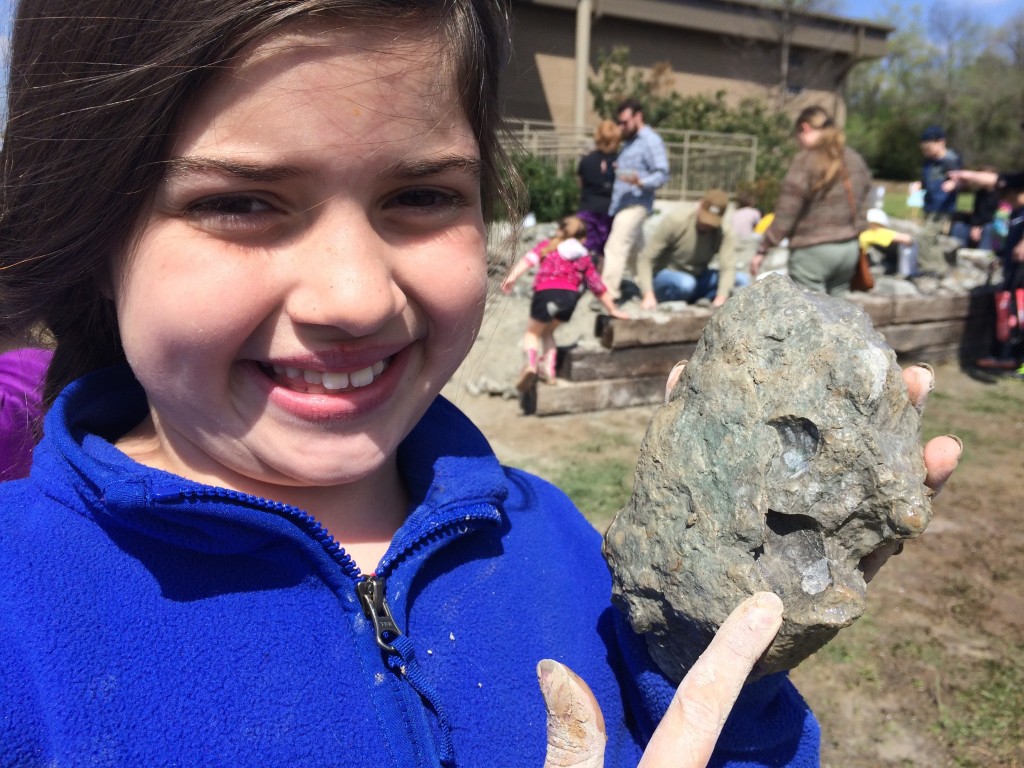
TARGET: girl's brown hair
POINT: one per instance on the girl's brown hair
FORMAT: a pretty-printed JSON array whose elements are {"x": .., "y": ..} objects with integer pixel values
[
  {"x": 827, "y": 153},
  {"x": 95, "y": 92}
]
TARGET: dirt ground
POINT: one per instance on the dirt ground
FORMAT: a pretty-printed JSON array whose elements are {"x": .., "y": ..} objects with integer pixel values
[{"x": 932, "y": 674}]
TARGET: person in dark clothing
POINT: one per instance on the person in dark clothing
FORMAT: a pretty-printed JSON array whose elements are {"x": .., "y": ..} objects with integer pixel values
[
  {"x": 596, "y": 176},
  {"x": 981, "y": 233},
  {"x": 940, "y": 191},
  {"x": 1007, "y": 352}
]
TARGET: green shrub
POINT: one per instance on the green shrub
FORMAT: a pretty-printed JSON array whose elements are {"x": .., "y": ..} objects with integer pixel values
[{"x": 551, "y": 194}]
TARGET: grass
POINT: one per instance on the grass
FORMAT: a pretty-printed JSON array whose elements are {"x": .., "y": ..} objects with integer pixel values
[
  {"x": 982, "y": 720},
  {"x": 895, "y": 203}
]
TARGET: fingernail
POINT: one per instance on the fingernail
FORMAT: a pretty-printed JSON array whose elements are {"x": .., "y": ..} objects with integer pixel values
[
  {"x": 931, "y": 372},
  {"x": 958, "y": 441},
  {"x": 673, "y": 378}
]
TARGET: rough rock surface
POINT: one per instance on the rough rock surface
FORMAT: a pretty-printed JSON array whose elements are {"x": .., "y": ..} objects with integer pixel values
[{"x": 788, "y": 451}]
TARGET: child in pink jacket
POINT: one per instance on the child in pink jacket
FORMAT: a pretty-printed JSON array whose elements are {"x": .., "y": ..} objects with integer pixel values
[{"x": 563, "y": 266}]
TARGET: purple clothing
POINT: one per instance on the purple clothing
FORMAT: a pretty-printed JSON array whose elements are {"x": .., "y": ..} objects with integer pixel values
[
  {"x": 598, "y": 226},
  {"x": 21, "y": 406}
]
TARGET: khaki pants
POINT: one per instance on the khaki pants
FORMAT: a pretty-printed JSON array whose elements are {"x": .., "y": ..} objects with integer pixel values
[
  {"x": 826, "y": 268},
  {"x": 624, "y": 241}
]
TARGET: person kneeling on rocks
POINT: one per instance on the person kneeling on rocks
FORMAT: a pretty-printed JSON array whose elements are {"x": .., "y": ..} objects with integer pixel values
[{"x": 680, "y": 251}]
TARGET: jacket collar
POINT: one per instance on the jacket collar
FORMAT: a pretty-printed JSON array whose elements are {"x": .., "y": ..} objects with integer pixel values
[{"x": 445, "y": 462}]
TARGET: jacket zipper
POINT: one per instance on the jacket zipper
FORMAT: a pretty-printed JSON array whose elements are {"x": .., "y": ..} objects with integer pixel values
[
  {"x": 371, "y": 597},
  {"x": 398, "y": 651}
]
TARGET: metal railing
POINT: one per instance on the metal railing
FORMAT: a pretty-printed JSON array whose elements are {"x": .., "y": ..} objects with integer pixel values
[{"x": 698, "y": 160}]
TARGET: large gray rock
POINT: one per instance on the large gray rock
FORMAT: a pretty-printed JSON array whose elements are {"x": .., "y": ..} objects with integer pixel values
[{"x": 789, "y": 450}]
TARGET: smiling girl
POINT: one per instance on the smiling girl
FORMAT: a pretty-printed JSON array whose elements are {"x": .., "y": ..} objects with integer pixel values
[{"x": 253, "y": 533}]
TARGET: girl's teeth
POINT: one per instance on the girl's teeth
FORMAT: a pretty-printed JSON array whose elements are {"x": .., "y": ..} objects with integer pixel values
[
  {"x": 334, "y": 380},
  {"x": 361, "y": 378}
]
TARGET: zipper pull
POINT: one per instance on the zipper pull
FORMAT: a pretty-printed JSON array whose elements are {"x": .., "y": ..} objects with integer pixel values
[{"x": 371, "y": 596}]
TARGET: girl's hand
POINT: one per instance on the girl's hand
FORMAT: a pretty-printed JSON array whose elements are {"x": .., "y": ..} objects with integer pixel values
[
  {"x": 686, "y": 736},
  {"x": 620, "y": 315},
  {"x": 507, "y": 284},
  {"x": 755, "y": 263}
]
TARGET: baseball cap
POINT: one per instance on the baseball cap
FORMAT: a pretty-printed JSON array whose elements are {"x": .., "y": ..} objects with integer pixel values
[
  {"x": 933, "y": 133},
  {"x": 712, "y": 207},
  {"x": 877, "y": 216}
]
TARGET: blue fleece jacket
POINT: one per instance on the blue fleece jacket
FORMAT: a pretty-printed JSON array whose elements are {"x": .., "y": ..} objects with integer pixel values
[{"x": 150, "y": 620}]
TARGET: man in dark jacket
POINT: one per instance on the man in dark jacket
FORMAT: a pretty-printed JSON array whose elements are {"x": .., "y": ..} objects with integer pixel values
[{"x": 940, "y": 191}]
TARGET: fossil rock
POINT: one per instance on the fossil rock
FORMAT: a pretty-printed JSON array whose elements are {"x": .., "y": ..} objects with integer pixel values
[{"x": 788, "y": 451}]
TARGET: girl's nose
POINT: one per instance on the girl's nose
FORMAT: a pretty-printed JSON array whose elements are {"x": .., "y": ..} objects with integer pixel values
[{"x": 344, "y": 278}]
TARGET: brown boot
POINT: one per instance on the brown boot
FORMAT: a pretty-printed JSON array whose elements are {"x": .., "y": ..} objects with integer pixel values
[{"x": 527, "y": 380}]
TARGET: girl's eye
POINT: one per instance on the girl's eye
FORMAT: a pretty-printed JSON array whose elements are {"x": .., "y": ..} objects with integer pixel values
[
  {"x": 428, "y": 198},
  {"x": 233, "y": 212}
]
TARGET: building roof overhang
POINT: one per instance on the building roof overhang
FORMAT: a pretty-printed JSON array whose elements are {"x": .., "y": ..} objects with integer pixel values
[{"x": 748, "y": 19}]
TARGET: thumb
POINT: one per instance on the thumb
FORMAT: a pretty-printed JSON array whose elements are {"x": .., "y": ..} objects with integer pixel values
[{"x": 576, "y": 732}]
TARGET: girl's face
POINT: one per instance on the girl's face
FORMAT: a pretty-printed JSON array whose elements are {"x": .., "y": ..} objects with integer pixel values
[{"x": 313, "y": 267}]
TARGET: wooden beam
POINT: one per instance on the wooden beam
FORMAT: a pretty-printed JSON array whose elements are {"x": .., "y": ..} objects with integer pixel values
[
  {"x": 661, "y": 329},
  {"x": 582, "y": 397},
  {"x": 914, "y": 309},
  {"x": 594, "y": 364}
]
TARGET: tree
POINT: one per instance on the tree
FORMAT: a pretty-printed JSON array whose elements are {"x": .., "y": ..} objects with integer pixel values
[{"x": 943, "y": 68}]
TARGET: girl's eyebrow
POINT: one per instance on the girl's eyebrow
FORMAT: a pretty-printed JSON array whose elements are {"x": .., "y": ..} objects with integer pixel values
[
  {"x": 421, "y": 168},
  {"x": 182, "y": 166},
  {"x": 403, "y": 169}
]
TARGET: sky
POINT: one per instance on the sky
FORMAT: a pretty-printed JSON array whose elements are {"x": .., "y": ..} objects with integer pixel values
[{"x": 991, "y": 12}]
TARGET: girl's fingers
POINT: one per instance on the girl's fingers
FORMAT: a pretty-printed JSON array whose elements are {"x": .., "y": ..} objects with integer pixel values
[
  {"x": 941, "y": 455},
  {"x": 576, "y": 732},
  {"x": 673, "y": 377},
  {"x": 920, "y": 380},
  {"x": 686, "y": 736}
]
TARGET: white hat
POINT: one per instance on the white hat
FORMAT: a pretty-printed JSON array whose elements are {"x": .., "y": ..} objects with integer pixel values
[{"x": 877, "y": 216}]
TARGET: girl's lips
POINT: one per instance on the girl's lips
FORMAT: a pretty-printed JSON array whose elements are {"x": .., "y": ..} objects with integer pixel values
[{"x": 296, "y": 391}]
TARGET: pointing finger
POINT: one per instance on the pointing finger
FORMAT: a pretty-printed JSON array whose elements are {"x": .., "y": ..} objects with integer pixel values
[{"x": 687, "y": 733}]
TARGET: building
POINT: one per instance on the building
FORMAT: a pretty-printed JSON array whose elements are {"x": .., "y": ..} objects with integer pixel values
[{"x": 742, "y": 47}]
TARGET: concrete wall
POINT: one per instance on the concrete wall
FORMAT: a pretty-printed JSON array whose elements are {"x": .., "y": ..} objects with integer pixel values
[{"x": 722, "y": 48}]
